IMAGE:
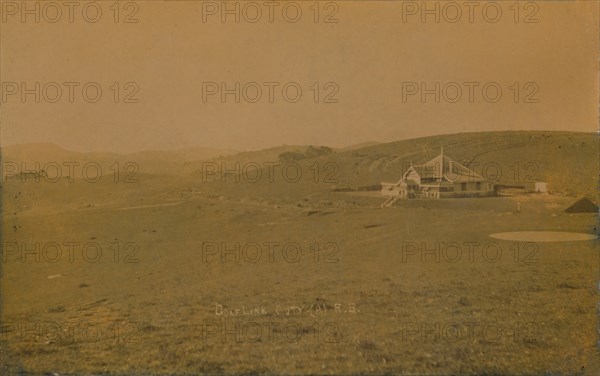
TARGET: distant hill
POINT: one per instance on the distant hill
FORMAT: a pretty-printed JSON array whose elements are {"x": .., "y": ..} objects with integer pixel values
[
  {"x": 171, "y": 162},
  {"x": 264, "y": 155},
  {"x": 183, "y": 155},
  {"x": 359, "y": 146},
  {"x": 567, "y": 161}
]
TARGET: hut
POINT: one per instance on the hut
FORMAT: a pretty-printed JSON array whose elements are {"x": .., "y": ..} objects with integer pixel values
[{"x": 582, "y": 205}]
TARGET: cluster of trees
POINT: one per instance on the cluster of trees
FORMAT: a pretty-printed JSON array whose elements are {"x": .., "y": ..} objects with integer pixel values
[{"x": 311, "y": 151}]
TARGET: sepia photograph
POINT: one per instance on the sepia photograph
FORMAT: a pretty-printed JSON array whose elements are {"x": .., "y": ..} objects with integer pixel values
[{"x": 305, "y": 187}]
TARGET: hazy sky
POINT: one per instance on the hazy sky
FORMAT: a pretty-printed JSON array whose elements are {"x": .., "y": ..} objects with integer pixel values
[{"x": 370, "y": 55}]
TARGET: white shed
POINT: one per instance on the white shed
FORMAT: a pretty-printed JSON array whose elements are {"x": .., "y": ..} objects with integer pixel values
[{"x": 541, "y": 187}]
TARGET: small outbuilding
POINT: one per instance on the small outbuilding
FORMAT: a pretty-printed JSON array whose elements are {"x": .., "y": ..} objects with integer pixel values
[{"x": 541, "y": 187}]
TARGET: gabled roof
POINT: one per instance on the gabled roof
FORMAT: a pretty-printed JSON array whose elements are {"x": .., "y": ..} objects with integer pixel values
[
  {"x": 443, "y": 168},
  {"x": 412, "y": 174}
]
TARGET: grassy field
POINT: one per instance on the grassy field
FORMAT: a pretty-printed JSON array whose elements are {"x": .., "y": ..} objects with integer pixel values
[{"x": 292, "y": 278}]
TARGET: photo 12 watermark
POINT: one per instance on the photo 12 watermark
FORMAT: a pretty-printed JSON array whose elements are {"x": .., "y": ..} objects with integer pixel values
[
  {"x": 469, "y": 252},
  {"x": 270, "y": 12},
  {"x": 269, "y": 252},
  {"x": 270, "y": 92},
  {"x": 469, "y": 331},
  {"x": 470, "y": 92},
  {"x": 270, "y": 172},
  {"x": 72, "y": 92},
  {"x": 71, "y": 171},
  {"x": 70, "y": 12},
  {"x": 289, "y": 332},
  {"x": 68, "y": 332},
  {"x": 90, "y": 252},
  {"x": 470, "y": 12}
]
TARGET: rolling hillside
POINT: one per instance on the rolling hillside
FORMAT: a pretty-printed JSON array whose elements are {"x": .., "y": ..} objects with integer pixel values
[
  {"x": 567, "y": 161},
  {"x": 172, "y": 162}
]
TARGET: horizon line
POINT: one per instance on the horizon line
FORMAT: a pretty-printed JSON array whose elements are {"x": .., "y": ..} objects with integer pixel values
[{"x": 235, "y": 151}]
